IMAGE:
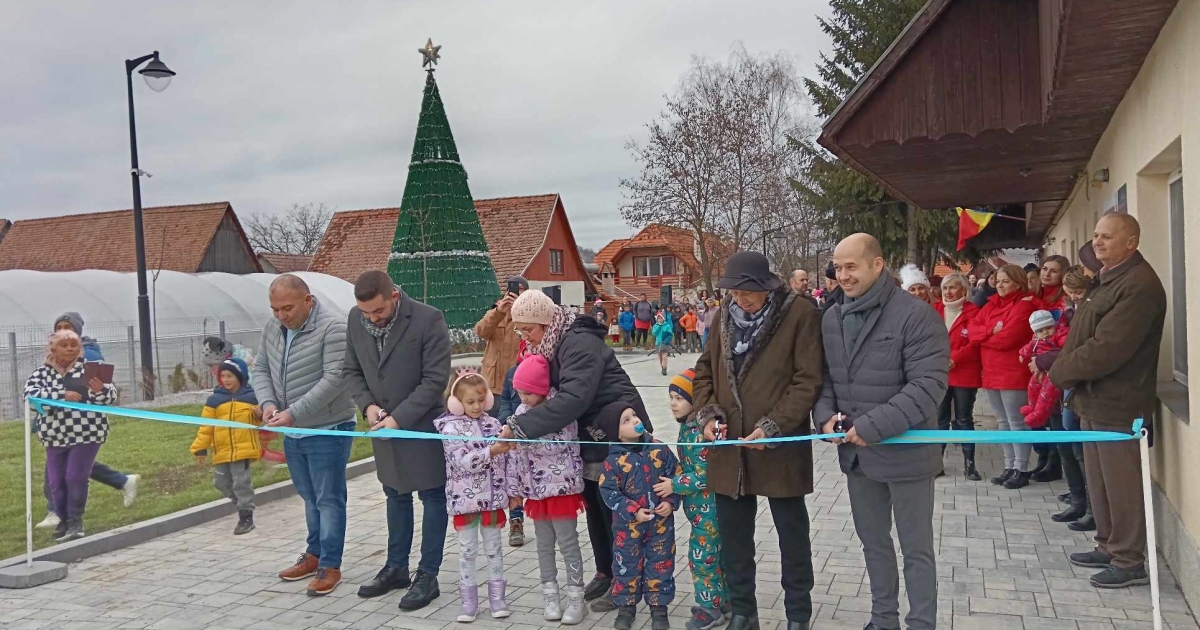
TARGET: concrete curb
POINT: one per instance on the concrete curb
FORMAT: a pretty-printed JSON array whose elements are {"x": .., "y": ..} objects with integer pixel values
[{"x": 138, "y": 533}]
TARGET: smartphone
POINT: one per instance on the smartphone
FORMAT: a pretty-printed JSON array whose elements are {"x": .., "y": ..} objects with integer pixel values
[{"x": 514, "y": 287}]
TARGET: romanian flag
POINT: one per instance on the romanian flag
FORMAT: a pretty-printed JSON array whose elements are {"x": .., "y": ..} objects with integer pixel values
[{"x": 970, "y": 224}]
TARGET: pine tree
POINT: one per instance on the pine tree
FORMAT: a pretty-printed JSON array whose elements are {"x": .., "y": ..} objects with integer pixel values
[{"x": 439, "y": 255}]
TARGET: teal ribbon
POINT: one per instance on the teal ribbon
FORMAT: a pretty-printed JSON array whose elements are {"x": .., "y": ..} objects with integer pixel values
[{"x": 914, "y": 436}]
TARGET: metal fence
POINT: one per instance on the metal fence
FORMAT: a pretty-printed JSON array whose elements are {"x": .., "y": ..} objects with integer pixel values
[{"x": 178, "y": 355}]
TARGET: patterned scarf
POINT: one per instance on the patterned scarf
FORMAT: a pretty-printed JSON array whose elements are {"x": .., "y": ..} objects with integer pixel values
[
  {"x": 380, "y": 333},
  {"x": 554, "y": 334},
  {"x": 746, "y": 326}
]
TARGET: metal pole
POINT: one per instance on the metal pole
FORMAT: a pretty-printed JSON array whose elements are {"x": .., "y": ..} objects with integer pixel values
[
  {"x": 17, "y": 393},
  {"x": 133, "y": 380},
  {"x": 28, "y": 486},
  {"x": 140, "y": 242},
  {"x": 1151, "y": 542},
  {"x": 222, "y": 330}
]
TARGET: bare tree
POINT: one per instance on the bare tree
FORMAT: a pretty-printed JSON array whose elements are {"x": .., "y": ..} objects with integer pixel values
[{"x": 297, "y": 230}]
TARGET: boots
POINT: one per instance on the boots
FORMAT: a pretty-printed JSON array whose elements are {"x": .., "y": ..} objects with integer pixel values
[
  {"x": 999, "y": 480},
  {"x": 1075, "y": 511},
  {"x": 469, "y": 593},
  {"x": 969, "y": 468},
  {"x": 1042, "y": 459},
  {"x": 1051, "y": 470},
  {"x": 1017, "y": 480},
  {"x": 245, "y": 523},
  {"x": 576, "y": 610},
  {"x": 1085, "y": 524},
  {"x": 553, "y": 610},
  {"x": 516, "y": 532},
  {"x": 496, "y": 601}
]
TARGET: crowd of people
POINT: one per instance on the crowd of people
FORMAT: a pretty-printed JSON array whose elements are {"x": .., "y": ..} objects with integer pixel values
[{"x": 865, "y": 358}]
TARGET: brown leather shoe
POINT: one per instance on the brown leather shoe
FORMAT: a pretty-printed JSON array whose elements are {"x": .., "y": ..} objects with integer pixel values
[
  {"x": 304, "y": 567},
  {"x": 325, "y": 582}
]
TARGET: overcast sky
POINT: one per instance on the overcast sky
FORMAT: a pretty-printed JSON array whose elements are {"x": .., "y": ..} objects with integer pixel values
[{"x": 278, "y": 103}]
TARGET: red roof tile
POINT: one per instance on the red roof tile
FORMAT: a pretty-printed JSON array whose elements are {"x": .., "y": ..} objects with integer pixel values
[
  {"x": 609, "y": 252},
  {"x": 356, "y": 241},
  {"x": 177, "y": 238},
  {"x": 515, "y": 229},
  {"x": 284, "y": 263}
]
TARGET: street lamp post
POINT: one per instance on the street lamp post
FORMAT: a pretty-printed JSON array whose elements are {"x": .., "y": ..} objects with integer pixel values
[{"x": 158, "y": 77}]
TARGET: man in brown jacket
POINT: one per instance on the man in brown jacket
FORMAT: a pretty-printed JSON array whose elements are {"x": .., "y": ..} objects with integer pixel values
[
  {"x": 1110, "y": 360},
  {"x": 758, "y": 377}
]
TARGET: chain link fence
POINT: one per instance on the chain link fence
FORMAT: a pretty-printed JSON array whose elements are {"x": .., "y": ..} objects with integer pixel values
[{"x": 179, "y": 357}]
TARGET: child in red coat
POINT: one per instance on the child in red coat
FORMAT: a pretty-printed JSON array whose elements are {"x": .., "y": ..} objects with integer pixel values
[{"x": 1044, "y": 397}]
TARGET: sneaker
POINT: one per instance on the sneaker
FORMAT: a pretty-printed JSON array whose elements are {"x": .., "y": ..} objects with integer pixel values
[
  {"x": 1116, "y": 577},
  {"x": 516, "y": 532},
  {"x": 659, "y": 619},
  {"x": 598, "y": 587},
  {"x": 71, "y": 529},
  {"x": 999, "y": 480},
  {"x": 130, "y": 489},
  {"x": 704, "y": 618},
  {"x": 325, "y": 582},
  {"x": 60, "y": 530},
  {"x": 1017, "y": 481},
  {"x": 1094, "y": 559},
  {"x": 603, "y": 604},
  {"x": 625, "y": 616},
  {"x": 50, "y": 522},
  {"x": 424, "y": 589},
  {"x": 306, "y": 566},
  {"x": 386, "y": 581},
  {"x": 245, "y": 523}
]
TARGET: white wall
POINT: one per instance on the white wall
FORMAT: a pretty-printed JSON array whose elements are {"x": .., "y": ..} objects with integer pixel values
[{"x": 572, "y": 291}]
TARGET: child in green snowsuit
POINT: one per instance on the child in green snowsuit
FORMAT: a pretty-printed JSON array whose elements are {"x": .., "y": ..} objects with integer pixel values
[{"x": 704, "y": 548}]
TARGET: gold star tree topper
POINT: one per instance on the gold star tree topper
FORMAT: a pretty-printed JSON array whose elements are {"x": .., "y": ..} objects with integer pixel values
[{"x": 429, "y": 52}]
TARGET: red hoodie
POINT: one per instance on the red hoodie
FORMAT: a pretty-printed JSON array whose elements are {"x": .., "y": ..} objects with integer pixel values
[
  {"x": 967, "y": 370},
  {"x": 1002, "y": 368},
  {"x": 1044, "y": 397}
]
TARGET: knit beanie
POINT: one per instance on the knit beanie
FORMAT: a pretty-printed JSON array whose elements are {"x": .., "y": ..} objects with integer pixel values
[
  {"x": 533, "y": 376},
  {"x": 238, "y": 368},
  {"x": 830, "y": 272},
  {"x": 607, "y": 425},
  {"x": 911, "y": 276},
  {"x": 1087, "y": 258},
  {"x": 682, "y": 384},
  {"x": 533, "y": 307},
  {"x": 1040, "y": 320},
  {"x": 72, "y": 318}
]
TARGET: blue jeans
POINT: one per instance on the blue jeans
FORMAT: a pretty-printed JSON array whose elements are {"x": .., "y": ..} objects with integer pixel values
[
  {"x": 318, "y": 467},
  {"x": 400, "y": 520}
]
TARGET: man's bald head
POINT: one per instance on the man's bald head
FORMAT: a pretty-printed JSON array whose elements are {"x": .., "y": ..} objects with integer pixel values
[
  {"x": 1116, "y": 238},
  {"x": 858, "y": 261},
  {"x": 290, "y": 283},
  {"x": 799, "y": 281},
  {"x": 291, "y": 302}
]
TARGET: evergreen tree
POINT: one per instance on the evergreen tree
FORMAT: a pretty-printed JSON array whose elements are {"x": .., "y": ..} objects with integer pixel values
[
  {"x": 861, "y": 31},
  {"x": 439, "y": 255}
]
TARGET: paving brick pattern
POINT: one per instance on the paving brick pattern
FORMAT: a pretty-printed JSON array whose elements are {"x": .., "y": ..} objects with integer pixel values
[{"x": 1002, "y": 564}]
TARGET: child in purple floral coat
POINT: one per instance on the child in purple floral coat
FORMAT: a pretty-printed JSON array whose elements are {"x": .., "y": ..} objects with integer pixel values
[{"x": 476, "y": 492}]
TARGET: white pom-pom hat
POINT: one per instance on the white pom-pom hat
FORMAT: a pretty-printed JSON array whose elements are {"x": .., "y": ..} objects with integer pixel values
[{"x": 910, "y": 276}]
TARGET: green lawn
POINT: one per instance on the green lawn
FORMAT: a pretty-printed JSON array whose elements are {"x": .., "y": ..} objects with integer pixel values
[{"x": 158, "y": 451}]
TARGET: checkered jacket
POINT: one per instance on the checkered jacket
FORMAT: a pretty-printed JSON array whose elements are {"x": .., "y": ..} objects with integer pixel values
[{"x": 66, "y": 427}]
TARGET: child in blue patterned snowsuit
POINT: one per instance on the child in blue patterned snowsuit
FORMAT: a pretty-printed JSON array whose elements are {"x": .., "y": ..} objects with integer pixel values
[{"x": 643, "y": 523}]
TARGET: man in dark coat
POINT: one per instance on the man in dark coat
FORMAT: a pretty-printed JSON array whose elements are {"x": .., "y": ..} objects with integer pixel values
[
  {"x": 887, "y": 360},
  {"x": 759, "y": 377},
  {"x": 1110, "y": 360},
  {"x": 397, "y": 368},
  {"x": 833, "y": 291}
]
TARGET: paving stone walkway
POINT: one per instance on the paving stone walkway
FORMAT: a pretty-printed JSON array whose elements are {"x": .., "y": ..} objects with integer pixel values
[{"x": 1002, "y": 564}]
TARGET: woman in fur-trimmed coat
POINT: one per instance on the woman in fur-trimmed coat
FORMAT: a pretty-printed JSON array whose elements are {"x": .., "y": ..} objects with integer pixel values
[{"x": 759, "y": 376}]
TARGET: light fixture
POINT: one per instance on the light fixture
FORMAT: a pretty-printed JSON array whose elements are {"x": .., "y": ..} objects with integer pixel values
[
  {"x": 157, "y": 74},
  {"x": 1100, "y": 176}
]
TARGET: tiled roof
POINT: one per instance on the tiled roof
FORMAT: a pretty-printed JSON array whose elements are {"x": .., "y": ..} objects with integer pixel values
[
  {"x": 515, "y": 229},
  {"x": 285, "y": 263},
  {"x": 609, "y": 252},
  {"x": 358, "y": 240},
  {"x": 176, "y": 239},
  {"x": 943, "y": 270},
  {"x": 678, "y": 240}
]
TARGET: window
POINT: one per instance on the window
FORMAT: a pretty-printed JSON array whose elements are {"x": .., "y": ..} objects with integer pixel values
[
  {"x": 556, "y": 261},
  {"x": 654, "y": 266},
  {"x": 1178, "y": 280}
]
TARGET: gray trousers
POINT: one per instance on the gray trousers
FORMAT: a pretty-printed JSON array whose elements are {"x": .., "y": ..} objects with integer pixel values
[
  {"x": 1006, "y": 404},
  {"x": 233, "y": 480},
  {"x": 566, "y": 534},
  {"x": 468, "y": 552},
  {"x": 873, "y": 504}
]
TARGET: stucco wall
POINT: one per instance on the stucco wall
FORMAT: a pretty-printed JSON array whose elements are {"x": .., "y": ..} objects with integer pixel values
[{"x": 1155, "y": 131}]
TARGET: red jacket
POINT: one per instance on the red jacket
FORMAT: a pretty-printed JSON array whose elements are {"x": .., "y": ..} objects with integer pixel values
[
  {"x": 968, "y": 369},
  {"x": 1044, "y": 397},
  {"x": 1002, "y": 368},
  {"x": 1048, "y": 301}
]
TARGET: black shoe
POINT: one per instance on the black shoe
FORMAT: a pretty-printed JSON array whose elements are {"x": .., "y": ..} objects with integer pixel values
[
  {"x": 603, "y": 604},
  {"x": 1064, "y": 497},
  {"x": 1042, "y": 460},
  {"x": 597, "y": 588},
  {"x": 386, "y": 581},
  {"x": 245, "y": 523},
  {"x": 1018, "y": 480},
  {"x": 742, "y": 622},
  {"x": 1094, "y": 559},
  {"x": 1052, "y": 471},
  {"x": 73, "y": 530},
  {"x": 969, "y": 471},
  {"x": 1076, "y": 511},
  {"x": 1085, "y": 524},
  {"x": 1116, "y": 577},
  {"x": 871, "y": 626},
  {"x": 424, "y": 589},
  {"x": 999, "y": 480},
  {"x": 60, "y": 530},
  {"x": 659, "y": 619},
  {"x": 625, "y": 615},
  {"x": 796, "y": 625}
]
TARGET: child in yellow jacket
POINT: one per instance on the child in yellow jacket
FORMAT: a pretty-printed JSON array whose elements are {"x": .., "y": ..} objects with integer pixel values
[{"x": 233, "y": 450}]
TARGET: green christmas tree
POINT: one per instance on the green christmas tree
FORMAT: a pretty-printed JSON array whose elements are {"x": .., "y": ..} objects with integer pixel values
[{"x": 439, "y": 255}]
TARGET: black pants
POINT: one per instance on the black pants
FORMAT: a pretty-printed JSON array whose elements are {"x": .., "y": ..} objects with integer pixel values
[
  {"x": 639, "y": 336},
  {"x": 1072, "y": 465},
  {"x": 599, "y": 522},
  {"x": 735, "y": 521},
  {"x": 958, "y": 411}
]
